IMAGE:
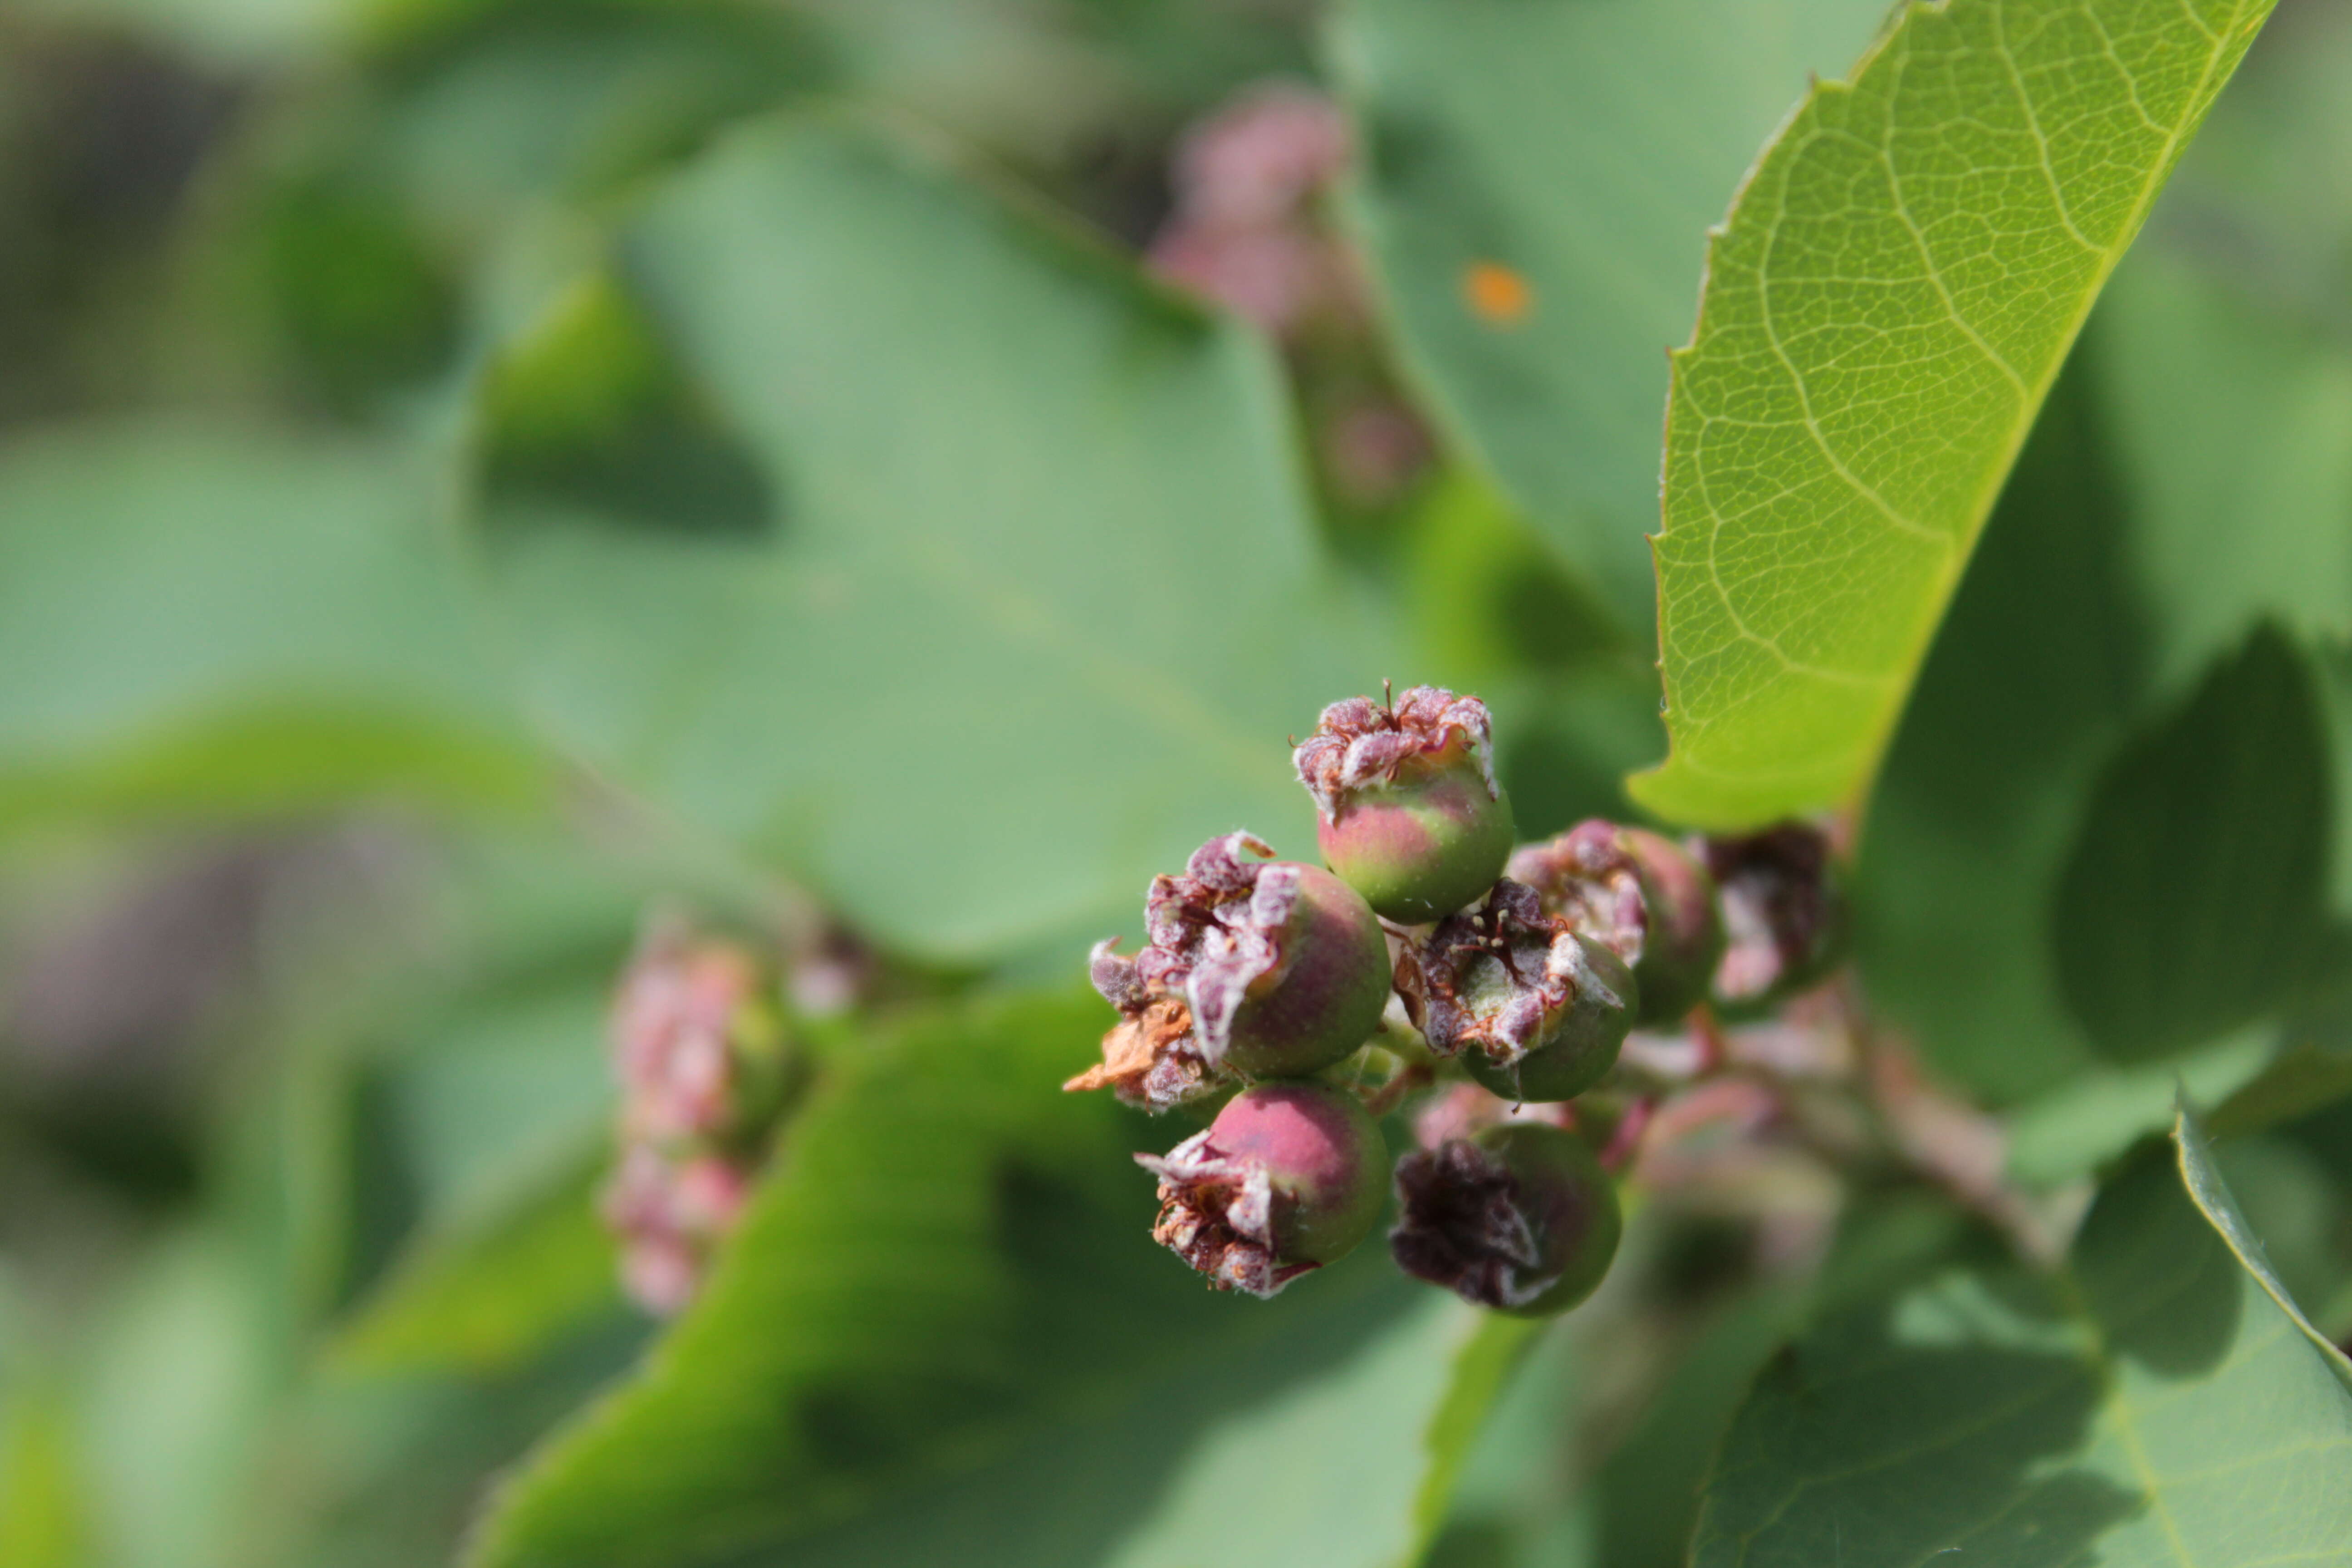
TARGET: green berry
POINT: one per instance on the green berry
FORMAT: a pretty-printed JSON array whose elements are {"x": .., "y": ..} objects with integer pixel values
[
  {"x": 1287, "y": 1178},
  {"x": 1784, "y": 913},
  {"x": 1642, "y": 895},
  {"x": 1536, "y": 1009},
  {"x": 1409, "y": 813},
  {"x": 1280, "y": 970},
  {"x": 1519, "y": 1217}
]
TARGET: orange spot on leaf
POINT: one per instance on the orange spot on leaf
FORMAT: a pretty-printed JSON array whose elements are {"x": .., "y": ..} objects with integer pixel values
[{"x": 1497, "y": 295}]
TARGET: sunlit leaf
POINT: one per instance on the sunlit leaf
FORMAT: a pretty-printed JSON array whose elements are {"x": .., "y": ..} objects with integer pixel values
[
  {"x": 1538, "y": 176},
  {"x": 2152, "y": 1405},
  {"x": 1886, "y": 309}
]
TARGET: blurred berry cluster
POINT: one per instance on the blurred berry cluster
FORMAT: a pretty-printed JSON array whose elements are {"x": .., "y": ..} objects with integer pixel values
[
  {"x": 1428, "y": 955},
  {"x": 701, "y": 1048}
]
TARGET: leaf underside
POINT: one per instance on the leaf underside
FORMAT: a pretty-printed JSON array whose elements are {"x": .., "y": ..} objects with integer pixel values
[{"x": 1886, "y": 309}]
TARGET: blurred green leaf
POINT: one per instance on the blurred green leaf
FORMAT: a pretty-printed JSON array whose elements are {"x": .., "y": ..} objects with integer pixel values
[
  {"x": 1354, "y": 1468},
  {"x": 2036, "y": 670},
  {"x": 2099, "y": 1111},
  {"x": 2194, "y": 899},
  {"x": 946, "y": 1259},
  {"x": 489, "y": 1293},
  {"x": 2151, "y": 1405},
  {"x": 2213, "y": 1199},
  {"x": 1036, "y": 569},
  {"x": 2235, "y": 419},
  {"x": 1891, "y": 299},
  {"x": 1584, "y": 146},
  {"x": 214, "y": 618},
  {"x": 181, "y": 1374}
]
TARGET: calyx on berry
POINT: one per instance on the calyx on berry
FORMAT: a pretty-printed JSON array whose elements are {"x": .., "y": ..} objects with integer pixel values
[
  {"x": 1784, "y": 913},
  {"x": 1279, "y": 970},
  {"x": 1409, "y": 812},
  {"x": 1641, "y": 895},
  {"x": 1519, "y": 1217},
  {"x": 1287, "y": 1178},
  {"x": 1536, "y": 1009}
]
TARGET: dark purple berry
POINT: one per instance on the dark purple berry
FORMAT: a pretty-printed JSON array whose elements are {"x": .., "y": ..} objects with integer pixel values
[
  {"x": 1255, "y": 969},
  {"x": 1519, "y": 1218},
  {"x": 1784, "y": 913},
  {"x": 1643, "y": 896},
  {"x": 1409, "y": 812},
  {"x": 1287, "y": 1178},
  {"x": 1535, "y": 1009}
]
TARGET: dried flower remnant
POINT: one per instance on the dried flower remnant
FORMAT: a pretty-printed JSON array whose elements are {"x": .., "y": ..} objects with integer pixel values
[
  {"x": 1536, "y": 1009},
  {"x": 1279, "y": 969},
  {"x": 1644, "y": 897},
  {"x": 1408, "y": 808},
  {"x": 1520, "y": 1218},
  {"x": 1783, "y": 913},
  {"x": 1287, "y": 1178}
]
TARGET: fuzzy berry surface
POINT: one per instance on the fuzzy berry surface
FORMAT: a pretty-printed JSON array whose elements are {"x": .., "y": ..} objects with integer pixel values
[
  {"x": 1256, "y": 968},
  {"x": 1784, "y": 914},
  {"x": 1643, "y": 895},
  {"x": 1525, "y": 1000},
  {"x": 1520, "y": 1218},
  {"x": 1290, "y": 1177},
  {"x": 1408, "y": 810}
]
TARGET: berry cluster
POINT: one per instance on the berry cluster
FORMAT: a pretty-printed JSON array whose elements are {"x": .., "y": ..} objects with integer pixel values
[
  {"x": 700, "y": 1045},
  {"x": 1521, "y": 970}
]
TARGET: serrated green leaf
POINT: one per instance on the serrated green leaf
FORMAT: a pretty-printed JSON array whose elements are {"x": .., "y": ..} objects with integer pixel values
[
  {"x": 1035, "y": 568},
  {"x": 2152, "y": 1405},
  {"x": 2212, "y": 1197},
  {"x": 1888, "y": 305},
  {"x": 2194, "y": 900},
  {"x": 1584, "y": 146}
]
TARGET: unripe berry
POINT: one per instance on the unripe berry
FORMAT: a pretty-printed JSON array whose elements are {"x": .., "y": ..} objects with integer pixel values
[
  {"x": 1287, "y": 1178},
  {"x": 1409, "y": 812},
  {"x": 1536, "y": 1009},
  {"x": 1280, "y": 970},
  {"x": 1641, "y": 894},
  {"x": 1784, "y": 913},
  {"x": 1519, "y": 1218}
]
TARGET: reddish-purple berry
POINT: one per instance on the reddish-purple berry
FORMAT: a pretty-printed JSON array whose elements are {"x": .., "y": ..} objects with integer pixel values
[
  {"x": 1287, "y": 1178},
  {"x": 1536, "y": 1009},
  {"x": 1643, "y": 897},
  {"x": 1408, "y": 809},
  {"x": 1784, "y": 913},
  {"x": 1519, "y": 1218},
  {"x": 1279, "y": 970}
]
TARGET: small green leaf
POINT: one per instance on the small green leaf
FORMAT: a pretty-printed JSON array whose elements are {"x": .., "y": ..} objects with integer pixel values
[
  {"x": 1580, "y": 147},
  {"x": 1483, "y": 1361},
  {"x": 2194, "y": 899},
  {"x": 2152, "y": 1405},
  {"x": 2212, "y": 1196},
  {"x": 487, "y": 1296},
  {"x": 1032, "y": 598},
  {"x": 1884, "y": 310}
]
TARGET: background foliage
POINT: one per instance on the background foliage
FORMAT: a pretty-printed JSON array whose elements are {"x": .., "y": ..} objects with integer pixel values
[{"x": 470, "y": 469}]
